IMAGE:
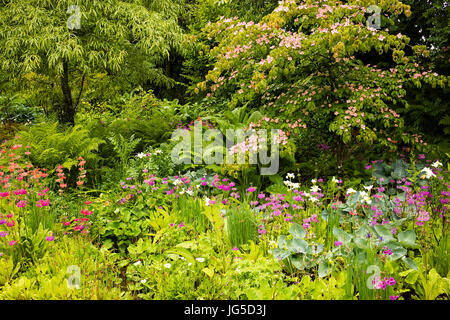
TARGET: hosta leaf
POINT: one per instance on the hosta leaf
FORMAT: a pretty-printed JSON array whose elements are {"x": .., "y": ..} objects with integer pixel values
[
  {"x": 297, "y": 231},
  {"x": 407, "y": 238}
]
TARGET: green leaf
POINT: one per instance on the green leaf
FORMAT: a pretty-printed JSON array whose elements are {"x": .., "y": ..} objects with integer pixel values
[
  {"x": 209, "y": 272},
  {"x": 397, "y": 250},
  {"x": 297, "y": 231},
  {"x": 342, "y": 236},
  {"x": 410, "y": 263},
  {"x": 384, "y": 232},
  {"x": 411, "y": 278},
  {"x": 298, "y": 245},
  {"x": 324, "y": 269},
  {"x": 407, "y": 238},
  {"x": 280, "y": 254}
]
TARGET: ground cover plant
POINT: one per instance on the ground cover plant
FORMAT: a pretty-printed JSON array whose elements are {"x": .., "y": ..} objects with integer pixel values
[{"x": 119, "y": 118}]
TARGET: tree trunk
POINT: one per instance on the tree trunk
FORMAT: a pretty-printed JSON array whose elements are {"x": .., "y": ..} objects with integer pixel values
[{"x": 67, "y": 112}]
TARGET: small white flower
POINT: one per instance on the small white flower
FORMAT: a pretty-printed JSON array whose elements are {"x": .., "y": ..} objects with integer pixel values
[
  {"x": 315, "y": 189},
  {"x": 177, "y": 182},
  {"x": 334, "y": 180},
  {"x": 290, "y": 176},
  {"x": 143, "y": 281},
  {"x": 368, "y": 188},
  {"x": 436, "y": 164},
  {"x": 138, "y": 263},
  {"x": 189, "y": 264},
  {"x": 167, "y": 265},
  {"x": 295, "y": 185},
  {"x": 207, "y": 202},
  {"x": 287, "y": 183},
  {"x": 140, "y": 155},
  {"x": 314, "y": 181},
  {"x": 351, "y": 191},
  {"x": 200, "y": 259},
  {"x": 157, "y": 151},
  {"x": 190, "y": 192}
]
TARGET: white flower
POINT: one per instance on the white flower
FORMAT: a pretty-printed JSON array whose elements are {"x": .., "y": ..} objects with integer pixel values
[
  {"x": 427, "y": 173},
  {"x": 167, "y": 265},
  {"x": 295, "y": 185},
  {"x": 290, "y": 176},
  {"x": 182, "y": 191},
  {"x": 314, "y": 181},
  {"x": 315, "y": 189},
  {"x": 190, "y": 192},
  {"x": 200, "y": 259},
  {"x": 138, "y": 263},
  {"x": 436, "y": 164},
  {"x": 287, "y": 183},
  {"x": 189, "y": 264},
  {"x": 157, "y": 151},
  {"x": 207, "y": 202},
  {"x": 313, "y": 199},
  {"x": 334, "y": 180},
  {"x": 140, "y": 155},
  {"x": 368, "y": 188},
  {"x": 351, "y": 191},
  {"x": 143, "y": 281},
  {"x": 177, "y": 182}
]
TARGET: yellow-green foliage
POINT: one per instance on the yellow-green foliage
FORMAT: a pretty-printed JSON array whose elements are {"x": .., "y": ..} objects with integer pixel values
[
  {"x": 51, "y": 145},
  {"x": 48, "y": 279}
]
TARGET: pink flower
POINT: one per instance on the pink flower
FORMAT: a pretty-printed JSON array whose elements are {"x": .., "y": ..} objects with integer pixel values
[
  {"x": 50, "y": 238},
  {"x": 12, "y": 242},
  {"x": 21, "y": 203}
]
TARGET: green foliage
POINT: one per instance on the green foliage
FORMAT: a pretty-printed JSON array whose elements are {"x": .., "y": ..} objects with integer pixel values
[
  {"x": 96, "y": 36},
  {"x": 15, "y": 109},
  {"x": 52, "y": 145}
]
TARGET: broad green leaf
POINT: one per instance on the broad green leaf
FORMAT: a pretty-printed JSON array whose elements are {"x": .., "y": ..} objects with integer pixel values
[
  {"x": 407, "y": 238},
  {"x": 298, "y": 245},
  {"x": 297, "y": 231},
  {"x": 324, "y": 269}
]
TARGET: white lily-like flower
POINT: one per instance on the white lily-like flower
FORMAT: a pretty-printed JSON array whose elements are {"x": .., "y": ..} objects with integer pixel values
[
  {"x": 351, "y": 191},
  {"x": 334, "y": 180},
  {"x": 138, "y": 263},
  {"x": 177, "y": 182},
  {"x": 140, "y": 155},
  {"x": 314, "y": 181},
  {"x": 315, "y": 189},
  {"x": 436, "y": 164},
  {"x": 190, "y": 192},
  {"x": 207, "y": 201},
  {"x": 427, "y": 173},
  {"x": 368, "y": 188},
  {"x": 143, "y": 281}
]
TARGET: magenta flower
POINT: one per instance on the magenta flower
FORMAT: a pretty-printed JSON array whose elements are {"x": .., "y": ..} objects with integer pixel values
[
  {"x": 338, "y": 243},
  {"x": 50, "y": 238},
  {"x": 393, "y": 297},
  {"x": 251, "y": 189},
  {"x": 12, "y": 242},
  {"x": 21, "y": 203}
]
